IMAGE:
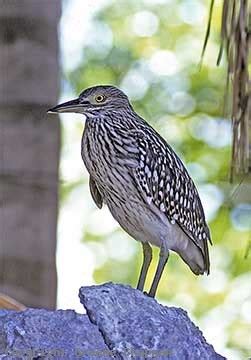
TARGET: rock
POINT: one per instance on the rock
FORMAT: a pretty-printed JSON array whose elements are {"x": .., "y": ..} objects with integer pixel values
[
  {"x": 135, "y": 326},
  {"x": 121, "y": 323},
  {"x": 43, "y": 334}
]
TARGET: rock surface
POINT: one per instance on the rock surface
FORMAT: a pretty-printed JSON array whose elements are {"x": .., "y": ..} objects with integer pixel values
[
  {"x": 121, "y": 323},
  {"x": 43, "y": 334},
  {"x": 135, "y": 326}
]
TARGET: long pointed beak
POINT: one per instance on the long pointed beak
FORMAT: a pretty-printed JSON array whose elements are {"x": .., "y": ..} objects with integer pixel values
[{"x": 69, "y": 106}]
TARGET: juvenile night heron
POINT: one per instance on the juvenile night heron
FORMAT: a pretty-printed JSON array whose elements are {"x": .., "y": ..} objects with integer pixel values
[{"x": 141, "y": 179}]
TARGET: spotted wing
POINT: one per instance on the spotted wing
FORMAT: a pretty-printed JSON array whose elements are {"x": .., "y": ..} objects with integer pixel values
[
  {"x": 165, "y": 181},
  {"x": 97, "y": 197}
]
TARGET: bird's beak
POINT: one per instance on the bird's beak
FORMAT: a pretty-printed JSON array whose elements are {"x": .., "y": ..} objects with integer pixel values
[{"x": 72, "y": 106}]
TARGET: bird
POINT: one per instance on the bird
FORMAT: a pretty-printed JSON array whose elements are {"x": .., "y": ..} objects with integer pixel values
[{"x": 143, "y": 182}]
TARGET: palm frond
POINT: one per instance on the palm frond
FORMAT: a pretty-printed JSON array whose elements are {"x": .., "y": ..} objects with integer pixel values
[{"x": 236, "y": 41}]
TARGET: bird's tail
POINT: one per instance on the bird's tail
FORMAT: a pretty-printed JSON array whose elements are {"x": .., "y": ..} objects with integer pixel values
[{"x": 195, "y": 258}]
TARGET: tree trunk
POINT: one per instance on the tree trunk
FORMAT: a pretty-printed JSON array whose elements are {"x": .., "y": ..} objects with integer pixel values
[{"x": 29, "y": 150}]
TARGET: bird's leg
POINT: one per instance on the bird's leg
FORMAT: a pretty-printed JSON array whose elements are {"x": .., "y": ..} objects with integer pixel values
[
  {"x": 163, "y": 257},
  {"x": 147, "y": 258}
]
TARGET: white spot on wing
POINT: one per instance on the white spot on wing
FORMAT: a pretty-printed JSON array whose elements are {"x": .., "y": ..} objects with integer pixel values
[
  {"x": 162, "y": 207},
  {"x": 149, "y": 199}
]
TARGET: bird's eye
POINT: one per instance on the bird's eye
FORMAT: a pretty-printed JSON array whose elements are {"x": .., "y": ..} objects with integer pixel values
[{"x": 99, "y": 98}]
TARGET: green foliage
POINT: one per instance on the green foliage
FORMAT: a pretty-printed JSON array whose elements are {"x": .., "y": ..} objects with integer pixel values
[{"x": 185, "y": 104}]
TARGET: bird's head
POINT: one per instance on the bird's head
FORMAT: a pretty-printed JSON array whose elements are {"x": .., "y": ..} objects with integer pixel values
[{"x": 95, "y": 101}]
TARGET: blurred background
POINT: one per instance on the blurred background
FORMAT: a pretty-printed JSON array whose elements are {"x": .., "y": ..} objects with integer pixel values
[{"x": 151, "y": 49}]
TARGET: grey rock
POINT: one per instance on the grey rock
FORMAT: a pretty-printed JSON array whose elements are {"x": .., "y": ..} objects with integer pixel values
[
  {"x": 121, "y": 323},
  {"x": 43, "y": 334},
  {"x": 135, "y": 326}
]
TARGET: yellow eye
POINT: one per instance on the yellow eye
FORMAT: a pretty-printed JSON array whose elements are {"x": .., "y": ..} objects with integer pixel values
[{"x": 99, "y": 98}]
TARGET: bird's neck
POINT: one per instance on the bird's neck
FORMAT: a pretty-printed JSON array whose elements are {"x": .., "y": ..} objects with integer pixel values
[{"x": 115, "y": 119}]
